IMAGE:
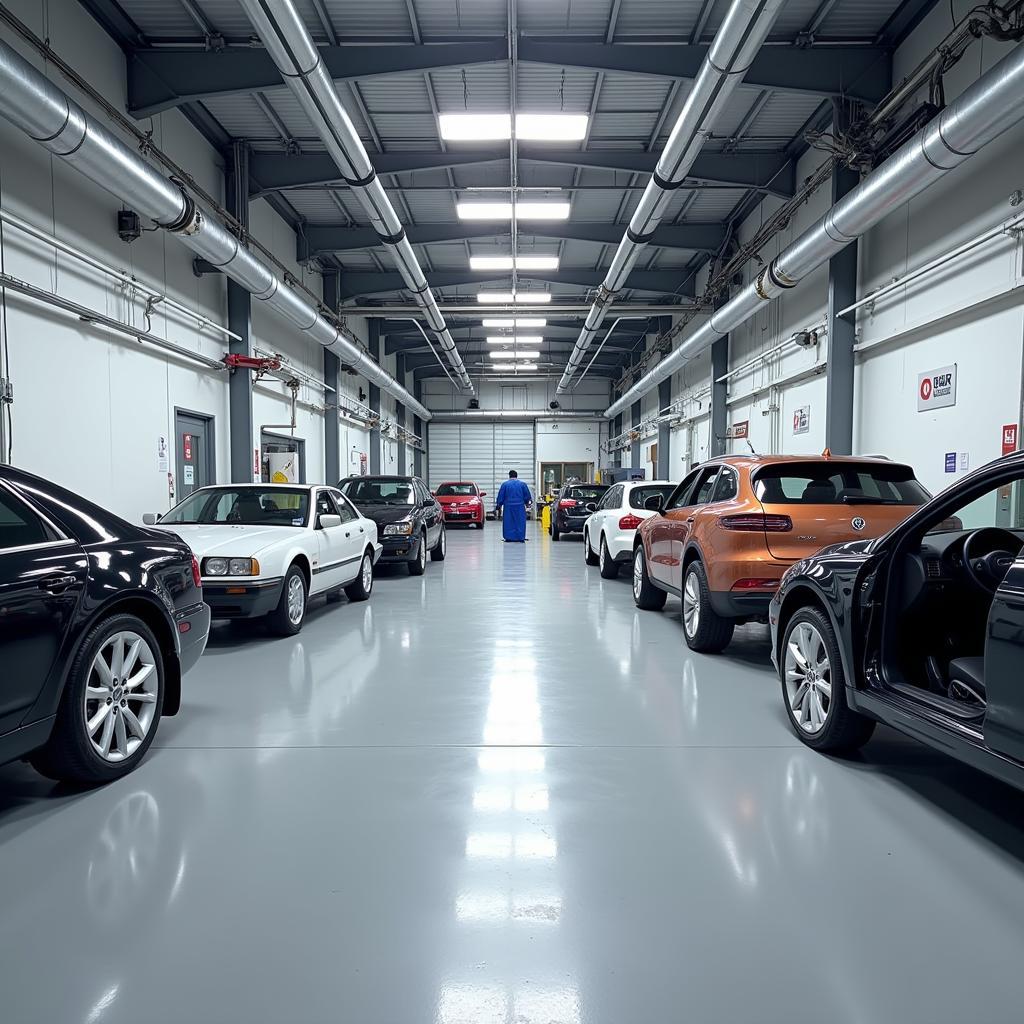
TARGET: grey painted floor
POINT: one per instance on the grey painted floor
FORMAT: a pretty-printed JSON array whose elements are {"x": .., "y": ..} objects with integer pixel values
[{"x": 499, "y": 793}]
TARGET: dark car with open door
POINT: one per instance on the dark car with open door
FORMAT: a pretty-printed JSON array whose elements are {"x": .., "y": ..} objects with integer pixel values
[
  {"x": 410, "y": 521},
  {"x": 922, "y": 629},
  {"x": 99, "y": 620}
]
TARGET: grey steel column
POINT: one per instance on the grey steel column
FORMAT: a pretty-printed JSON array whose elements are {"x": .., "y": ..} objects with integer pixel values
[
  {"x": 332, "y": 372},
  {"x": 664, "y": 431},
  {"x": 719, "y": 393},
  {"x": 400, "y": 411},
  {"x": 617, "y": 432},
  {"x": 634, "y": 448},
  {"x": 419, "y": 428},
  {"x": 240, "y": 322},
  {"x": 842, "y": 292},
  {"x": 374, "y": 347}
]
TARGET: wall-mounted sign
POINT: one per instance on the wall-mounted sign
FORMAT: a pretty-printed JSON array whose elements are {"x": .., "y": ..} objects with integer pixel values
[
  {"x": 257, "y": 474},
  {"x": 190, "y": 474},
  {"x": 1009, "y": 438},
  {"x": 950, "y": 462},
  {"x": 802, "y": 419},
  {"x": 163, "y": 462},
  {"x": 936, "y": 389},
  {"x": 741, "y": 430},
  {"x": 186, "y": 447}
]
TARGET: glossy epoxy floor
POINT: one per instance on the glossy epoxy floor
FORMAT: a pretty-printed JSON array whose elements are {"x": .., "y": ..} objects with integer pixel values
[{"x": 501, "y": 795}]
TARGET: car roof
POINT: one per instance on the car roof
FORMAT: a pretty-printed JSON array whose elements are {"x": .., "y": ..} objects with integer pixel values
[
  {"x": 262, "y": 487},
  {"x": 758, "y": 461},
  {"x": 650, "y": 483},
  {"x": 458, "y": 482},
  {"x": 381, "y": 476}
]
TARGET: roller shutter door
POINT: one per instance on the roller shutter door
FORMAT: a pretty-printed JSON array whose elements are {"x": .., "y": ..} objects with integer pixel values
[
  {"x": 513, "y": 449},
  {"x": 442, "y": 453},
  {"x": 482, "y": 453}
]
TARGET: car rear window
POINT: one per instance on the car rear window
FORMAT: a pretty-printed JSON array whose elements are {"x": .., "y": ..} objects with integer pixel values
[
  {"x": 830, "y": 483},
  {"x": 586, "y": 493},
  {"x": 456, "y": 490},
  {"x": 639, "y": 495}
]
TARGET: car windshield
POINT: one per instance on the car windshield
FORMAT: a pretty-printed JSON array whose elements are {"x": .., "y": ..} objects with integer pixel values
[
  {"x": 639, "y": 495},
  {"x": 370, "y": 491},
  {"x": 586, "y": 494},
  {"x": 242, "y": 506},
  {"x": 456, "y": 490},
  {"x": 831, "y": 483}
]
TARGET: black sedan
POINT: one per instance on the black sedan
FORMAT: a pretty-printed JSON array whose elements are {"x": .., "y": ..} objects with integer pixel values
[
  {"x": 574, "y": 506},
  {"x": 922, "y": 628},
  {"x": 99, "y": 620},
  {"x": 410, "y": 521}
]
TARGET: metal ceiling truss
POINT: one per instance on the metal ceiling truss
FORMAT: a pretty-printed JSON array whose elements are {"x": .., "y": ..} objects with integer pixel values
[{"x": 160, "y": 78}]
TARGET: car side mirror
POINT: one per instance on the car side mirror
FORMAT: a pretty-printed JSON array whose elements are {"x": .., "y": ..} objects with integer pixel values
[
  {"x": 483, "y": 494},
  {"x": 427, "y": 503},
  {"x": 591, "y": 506},
  {"x": 328, "y": 521},
  {"x": 654, "y": 503},
  {"x": 151, "y": 518}
]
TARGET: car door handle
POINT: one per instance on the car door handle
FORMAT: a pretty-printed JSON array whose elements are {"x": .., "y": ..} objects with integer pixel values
[
  {"x": 56, "y": 584},
  {"x": 348, "y": 533}
]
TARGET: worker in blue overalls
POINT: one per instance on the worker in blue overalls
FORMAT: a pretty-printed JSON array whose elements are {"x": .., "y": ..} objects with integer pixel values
[{"x": 514, "y": 498}]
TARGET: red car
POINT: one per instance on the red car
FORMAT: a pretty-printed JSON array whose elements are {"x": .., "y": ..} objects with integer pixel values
[{"x": 461, "y": 502}]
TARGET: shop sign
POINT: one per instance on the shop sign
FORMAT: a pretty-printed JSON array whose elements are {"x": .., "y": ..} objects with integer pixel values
[
  {"x": 741, "y": 430},
  {"x": 936, "y": 389}
]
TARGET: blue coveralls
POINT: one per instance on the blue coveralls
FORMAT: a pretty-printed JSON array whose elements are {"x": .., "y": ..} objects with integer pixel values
[{"x": 513, "y": 495}]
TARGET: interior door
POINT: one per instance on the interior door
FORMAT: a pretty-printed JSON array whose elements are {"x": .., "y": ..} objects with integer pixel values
[
  {"x": 42, "y": 577},
  {"x": 194, "y": 452},
  {"x": 1004, "y": 666}
]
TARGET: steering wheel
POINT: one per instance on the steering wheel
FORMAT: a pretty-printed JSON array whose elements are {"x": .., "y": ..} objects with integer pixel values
[{"x": 988, "y": 569}]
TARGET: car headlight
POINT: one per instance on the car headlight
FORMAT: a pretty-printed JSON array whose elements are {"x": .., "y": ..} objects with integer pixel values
[
  {"x": 399, "y": 528},
  {"x": 230, "y": 567}
]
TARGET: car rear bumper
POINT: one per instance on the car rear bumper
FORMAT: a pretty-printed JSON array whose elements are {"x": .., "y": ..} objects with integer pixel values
[
  {"x": 732, "y": 605},
  {"x": 193, "y": 625},
  {"x": 570, "y": 524},
  {"x": 242, "y": 600}
]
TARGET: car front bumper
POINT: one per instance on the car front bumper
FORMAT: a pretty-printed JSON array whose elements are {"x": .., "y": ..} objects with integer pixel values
[
  {"x": 193, "y": 625},
  {"x": 464, "y": 515},
  {"x": 242, "y": 599},
  {"x": 400, "y": 548}
]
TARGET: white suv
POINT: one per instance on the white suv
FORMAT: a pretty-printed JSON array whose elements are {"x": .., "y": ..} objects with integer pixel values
[{"x": 608, "y": 533}]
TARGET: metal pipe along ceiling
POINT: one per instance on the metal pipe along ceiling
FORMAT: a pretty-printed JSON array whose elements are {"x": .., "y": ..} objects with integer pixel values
[
  {"x": 746, "y": 26},
  {"x": 48, "y": 115},
  {"x": 982, "y": 113},
  {"x": 517, "y": 414},
  {"x": 284, "y": 34}
]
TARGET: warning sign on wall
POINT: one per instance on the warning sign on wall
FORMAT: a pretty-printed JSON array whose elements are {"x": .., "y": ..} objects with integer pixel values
[
  {"x": 936, "y": 389},
  {"x": 1009, "y": 438},
  {"x": 186, "y": 446},
  {"x": 802, "y": 419}
]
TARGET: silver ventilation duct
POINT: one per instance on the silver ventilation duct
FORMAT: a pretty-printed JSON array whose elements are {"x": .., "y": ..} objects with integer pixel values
[
  {"x": 288, "y": 42},
  {"x": 440, "y": 416},
  {"x": 981, "y": 114},
  {"x": 746, "y": 26},
  {"x": 31, "y": 102}
]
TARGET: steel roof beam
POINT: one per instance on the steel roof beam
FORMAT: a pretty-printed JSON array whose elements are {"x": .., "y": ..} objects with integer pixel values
[
  {"x": 669, "y": 282},
  {"x": 771, "y": 171},
  {"x": 160, "y": 78},
  {"x": 318, "y": 239}
]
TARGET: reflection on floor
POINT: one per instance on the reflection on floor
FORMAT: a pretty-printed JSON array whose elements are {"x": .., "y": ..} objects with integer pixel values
[{"x": 500, "y": 793}]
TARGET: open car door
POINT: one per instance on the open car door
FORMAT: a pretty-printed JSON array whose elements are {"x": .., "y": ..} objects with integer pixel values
[{"x": 1004, "y": 666}]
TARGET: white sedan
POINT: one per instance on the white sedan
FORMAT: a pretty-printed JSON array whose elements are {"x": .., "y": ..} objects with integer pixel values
[
  {"x": 265, "y": 549},
  {"x": 608, "y": 533}
]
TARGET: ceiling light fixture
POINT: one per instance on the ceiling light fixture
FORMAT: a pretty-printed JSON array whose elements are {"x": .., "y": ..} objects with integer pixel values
[
  {"x": 498, "y": 127},
  {"x": 505, "y": 263},
  {"x": 510, "y": 298},
  {"x": 524, "y": 366},
  {"x": 514, "y": 339},
  {"x": 503, "y": 211},
  {"x": 514, "y": 355},
  {"x": 519, "y": 321}
]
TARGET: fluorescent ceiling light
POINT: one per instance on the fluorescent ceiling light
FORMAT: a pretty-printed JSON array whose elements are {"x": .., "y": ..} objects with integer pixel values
[
  {"x": 508, "y": 298},
  {"x": 514, "y": 355},
  {"x": 505, "y": 263},
  {"x": 490, "y": 127},
  {"x": 503, "y": 211},
  {"x": 524, "y": 366},
  {"x": 514, "y": 339},
  {"x": 519, "y": 321}
]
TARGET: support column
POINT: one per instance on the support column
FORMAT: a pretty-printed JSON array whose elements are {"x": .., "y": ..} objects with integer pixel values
[
  {"x": 374, "y": 400},
  {"x": 842, "y": 292},
  {"x": 634, "y": 448},
  {"x": 400, "y": 411},
  {"x": 240, "y": 429},
  {"x": 332, "y": 378},
  {"x": 419, "y": 428},
  {"x": 719, "y": 393},
  {"x": 664, "y": 469},
  {"x": 617, "y": 432}
]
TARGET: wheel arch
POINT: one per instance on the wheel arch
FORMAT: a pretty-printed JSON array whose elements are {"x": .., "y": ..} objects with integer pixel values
[{"x": 805, "y": 595}]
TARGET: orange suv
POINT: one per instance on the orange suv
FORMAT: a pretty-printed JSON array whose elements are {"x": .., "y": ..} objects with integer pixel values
[{"x": 727, "y": 533}]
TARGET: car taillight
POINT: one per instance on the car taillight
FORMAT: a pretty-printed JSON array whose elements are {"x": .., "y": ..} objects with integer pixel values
[
  {"x": 748, "y": 522},
  {"x": 197, "y": 579},
  {"x": 755, "y": 584},
  {"x": 629, "y": 522},
  {"x": 567, "y": 503}
]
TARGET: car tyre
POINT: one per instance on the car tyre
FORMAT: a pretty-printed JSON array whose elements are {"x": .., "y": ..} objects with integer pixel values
[
  {"x": 554, "y": 532},
  {"x": 815, "y": 644},
  {"x": 645, "y": 594},
  {"x": 440, "y": 549},
  {"x": 706, "y": 632},
  {"x": 418, "y": 565},
  {"x": 69, "y": 754},
  {"x": 362, "y": 586},
  {"x": 481, "y": 524},
  {"x": 588, "y": 551},
  {"x": 609, "y": 567},
  {"x": 287, "y": 618}
]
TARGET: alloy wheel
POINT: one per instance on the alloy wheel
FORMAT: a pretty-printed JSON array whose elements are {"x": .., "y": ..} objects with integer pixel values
[
  {"x": 444, "y": 542},
  {"x": 808, "y": 678},
  {"x": 638, "y": 573},
  {"x": 367, "y": 573},
  {"x": 603, "y": 555},
  {"x": 691, "y": 604},
  {"x": 121, "y": 695},
  {"x": 423, "y": 552},
  {"x": 296, "y": 599}
]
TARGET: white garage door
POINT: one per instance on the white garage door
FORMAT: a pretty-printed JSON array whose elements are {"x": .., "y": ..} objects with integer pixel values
[{"x": 482, "y": 453}]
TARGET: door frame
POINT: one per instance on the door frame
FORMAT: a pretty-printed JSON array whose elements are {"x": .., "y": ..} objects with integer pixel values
[
  {"x": 210, "y": 423},
  {"x": 299, "y": 442}
]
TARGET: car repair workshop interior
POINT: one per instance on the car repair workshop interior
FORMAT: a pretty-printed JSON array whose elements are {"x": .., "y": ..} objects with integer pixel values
[{"x": 511, "y": 511}]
